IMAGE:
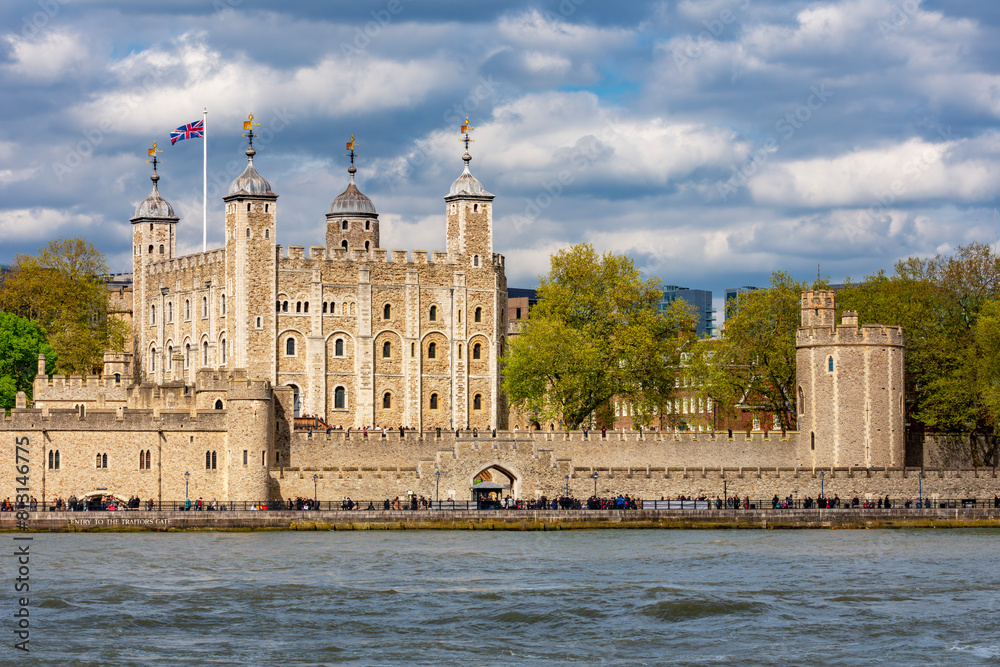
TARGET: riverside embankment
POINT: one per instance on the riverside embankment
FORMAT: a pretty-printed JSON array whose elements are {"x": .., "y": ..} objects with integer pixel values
[{"x": 516, "y": 520}]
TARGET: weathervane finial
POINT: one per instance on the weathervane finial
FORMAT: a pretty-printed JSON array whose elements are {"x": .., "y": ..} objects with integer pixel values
[
  {"x": 153, "y": 152},
  {"x": 248, "y": 125},
  {"x": 351, "y": 145}
]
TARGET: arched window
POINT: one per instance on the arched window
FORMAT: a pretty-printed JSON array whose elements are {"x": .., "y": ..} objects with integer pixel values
[
  {"x": 223, "y": 301},
  {"x": 477, "y": 402},
  {"x": 208, "y": 460},
  {"x": 434, "y": 401},
  {"x": 248, "y": 229},
  {"x": 386, "y": 400},
  {"x": 338, "y": 347},
  {"x": 812, "y": 441},
  {"x": 367, "y": 246},
  {"x": 386, "y": 312},
  {"x": 324, "y": 307},
  {"x": 267, "y": 232},
  {"x": 142, "y": 460},
  {"x": 57, "y": 460},
  {"x": 50, "y": 459},
  {"x": 284, "y": 306},
  {"x": 187, "y": 355},
  {"x": 98, "y": 460},
  {"x": 204, "y": 353},
  {"x": 343, "y": 244},
  {"x": 218, "y": 404},
  {"x": 434, "y": 314},
  {"x": 829, "y": 364},
  {"x": 343, "y": 225},
  {"x": 298, "y": 306},
  {"x": 296, "y": 401},
  {"x": 475, "y": 260},
  {"x": 118, "y": 378},
  {"x": 290, "y": 347},
  {"x": 187, "y": 309},
  {"x": 432, "y": 351},
  {"x": 204, "y": 306},
  {"x": 152, "y": 360},
  {"x": 223, "y": 350},
  {"x": 339, "y": 398},
  {"x": 170, "y": 357},
  {"x": 413, "y": 350},
  {"x": 148, "y": 467},
  {"x": 213, "y": 460},
  {"x": 479, "y": 314},
  {"x": 161, "y": 248},
  {"x": 152, "y": 314},
  {"x": 277, "y": 306},
  {"x": 104, "y": 460},
  {"x": 305, "y": 307},
  {"x": 477, "y": 351},
  {"x": 170, "y": 311},
  {"x": 259, "y": 323},
  {"x": 386, "y": 350},
  {"x": 150, "y": 249}
]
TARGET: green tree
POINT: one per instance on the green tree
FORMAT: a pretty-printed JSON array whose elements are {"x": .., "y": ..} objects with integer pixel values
[
  {"x": 939, "y": 302},
  {"x": 21, "y": 341},
  {"x": 595, "y": 334},
  {"x": 63, "y": 288},
  {"x": 752, "y": 366}
]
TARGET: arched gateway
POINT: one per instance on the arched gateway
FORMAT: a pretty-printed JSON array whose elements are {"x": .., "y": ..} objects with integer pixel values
[{"x": 495, "y": 482}]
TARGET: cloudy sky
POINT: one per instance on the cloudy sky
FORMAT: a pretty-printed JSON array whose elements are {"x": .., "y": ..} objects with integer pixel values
[{"x": 713, "y": 141}]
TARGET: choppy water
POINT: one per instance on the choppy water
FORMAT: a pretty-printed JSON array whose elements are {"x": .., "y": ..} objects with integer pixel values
[{"x": 597, "y": 597}]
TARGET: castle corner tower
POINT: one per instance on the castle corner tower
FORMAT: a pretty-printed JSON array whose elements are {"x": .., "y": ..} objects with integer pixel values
[
  {"x": 251, "y": 270},
  {"x": 469, "y": 213}
]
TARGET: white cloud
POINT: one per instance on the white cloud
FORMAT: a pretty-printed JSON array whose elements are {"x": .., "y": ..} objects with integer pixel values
[
  {"x": 42, "y": 224},
  {"x": 57, "y": 54}
]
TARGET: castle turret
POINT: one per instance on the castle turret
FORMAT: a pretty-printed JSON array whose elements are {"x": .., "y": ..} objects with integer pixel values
[
  {"x": 849, "y": 388},
  {"x": 251, "y": 270},
  {"x": 469, "y": 212},
  {"x": 154, "y": 239},
  {"x": 352, "y": 222}
]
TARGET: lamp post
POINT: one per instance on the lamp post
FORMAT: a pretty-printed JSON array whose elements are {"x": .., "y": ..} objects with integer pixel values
[
  {"x": 315, "y": 479},
  {"x": 725, "y": 494},
  {"x": 187, "y": 476},
  {"x": 595, "y": 485},
  {"x": 920, "y": 487},
  {"x": 567, "y": 486},
  {"x": 437, "y": 488},
  {"x": 822, "y": 477}
]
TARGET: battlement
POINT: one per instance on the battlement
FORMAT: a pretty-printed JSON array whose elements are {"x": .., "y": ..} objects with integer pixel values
[
  {"x": 851, "y": 334},
  {"x": 376, "y": 255},
  {"x": 195, "y": 262},
  {"x": 243, "y": 389},
  {"x": 121, "y": 419}
]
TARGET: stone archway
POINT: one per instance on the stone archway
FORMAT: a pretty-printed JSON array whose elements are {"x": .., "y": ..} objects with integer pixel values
[{"x": 496, "y": 473}]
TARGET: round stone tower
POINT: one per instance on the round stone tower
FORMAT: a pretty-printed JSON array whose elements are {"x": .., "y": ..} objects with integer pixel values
[
  {"x": 250, "y": 435},
  {"x": 849, "y": 388}
]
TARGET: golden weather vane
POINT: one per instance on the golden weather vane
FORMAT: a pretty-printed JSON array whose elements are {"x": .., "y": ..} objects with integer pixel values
[
  {"x": 248, "y": 125},
  {"x": 153, "y": 152},
  {"x": 466, "y": 129},
  {"x": 351, "y": 145}
]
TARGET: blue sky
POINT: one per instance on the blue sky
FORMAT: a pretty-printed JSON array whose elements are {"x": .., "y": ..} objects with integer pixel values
[{"x": 713, "y": 141}]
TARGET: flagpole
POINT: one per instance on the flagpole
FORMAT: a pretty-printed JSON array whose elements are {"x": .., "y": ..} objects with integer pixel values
[{"x": 204, "y": 182}]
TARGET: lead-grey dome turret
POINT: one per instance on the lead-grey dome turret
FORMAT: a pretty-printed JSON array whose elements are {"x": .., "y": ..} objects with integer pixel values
[
  {"x": 250, "y": 182},
  {"x": 155, "y": 206},
  {"x": 352, "y": 201}
]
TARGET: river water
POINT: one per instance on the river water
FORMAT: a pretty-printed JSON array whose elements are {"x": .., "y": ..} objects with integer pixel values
[{"x": 615, "y": 597}]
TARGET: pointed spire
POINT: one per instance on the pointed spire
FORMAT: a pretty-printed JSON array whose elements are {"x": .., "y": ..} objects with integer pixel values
[
  {"x": 351, "y": 201},
  {"x": 466, "y": 183}
]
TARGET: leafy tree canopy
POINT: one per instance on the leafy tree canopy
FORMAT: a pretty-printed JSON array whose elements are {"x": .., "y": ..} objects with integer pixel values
[
  {"x": 595, "y": 334},
  {"x": 21, "y": 341},
  {"x": 947, "y": 306},
  {"x": 63, "y": 289}
]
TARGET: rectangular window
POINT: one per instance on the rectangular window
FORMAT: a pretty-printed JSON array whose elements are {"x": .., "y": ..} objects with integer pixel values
[
  {"x": 518, "y": 315},
  {"x": 244, "y": 457}
]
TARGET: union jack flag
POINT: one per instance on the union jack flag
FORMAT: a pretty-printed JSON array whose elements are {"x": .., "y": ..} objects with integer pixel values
[{"x": 194, "y": 130}]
